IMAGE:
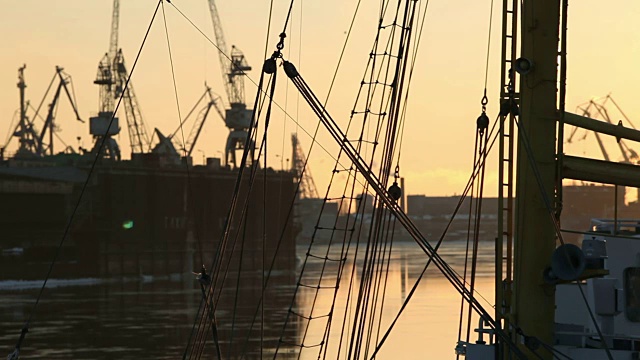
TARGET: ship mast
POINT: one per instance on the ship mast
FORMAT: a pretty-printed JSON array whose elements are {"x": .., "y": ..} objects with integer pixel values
[{"x": 534, "y": 301}]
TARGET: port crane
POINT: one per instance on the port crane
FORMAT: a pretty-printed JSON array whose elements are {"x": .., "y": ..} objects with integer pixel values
[
  {"x": 24, "y": 130},
  {"x": 112, "y": 78},
  {"x": 594, "y": 109},
  {"x": 64, "y": 80},
  {"x": 234, "y": 66},
  {"x": 32, "y": 141},
  {"x": 214, "y": 101},
  {"x": 298, "y": 160}
]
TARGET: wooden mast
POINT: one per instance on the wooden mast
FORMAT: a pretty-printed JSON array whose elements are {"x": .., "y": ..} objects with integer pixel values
[{"x": 535, "y": 240}]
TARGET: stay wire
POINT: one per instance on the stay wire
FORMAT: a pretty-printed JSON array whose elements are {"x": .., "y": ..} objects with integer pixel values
[
  {"x": 85, "y": 185},
  {"x": 406, "y": 222},
  {"x": 290, "y": 211},
  {"x": 486, "y": 70},
  {"x": 266, "y": 41},
  {"x": 360, "y": 142},
  {"x": 554, "y": 221},
  {"x": 466, "y": 255},
  {"x": 186, "y": 163},
  {"x": 342, "y": 52},
  {"x": 468, "y": 188},
  {"x": 385, "y": 234},
  {"x": 384, "y": 291},
  {"x": 253, "y": 176},
  {"x": 327, "y": 99},
  {"x": 245, "y": 208},
  {"x": 244, "y": 211},
  {"x": 404, "y": 51},
  {"x": 284, "y": 27},
  {"x": 304, "y": 265},
  {"x": 264, "y": 239},
  {"x": 476, "y": 230},
  {"x": 413, "y": 62},
  {"x": 234, "y": 200},
  {"x": 395, "y": 95},
  {"x": 312, "y": 136},
  {"x": 352, "y": 280},
  {"x": 273, "y": 260},
  {"x": 244, "y": 220},
  {"x": 357, "y": 332}
]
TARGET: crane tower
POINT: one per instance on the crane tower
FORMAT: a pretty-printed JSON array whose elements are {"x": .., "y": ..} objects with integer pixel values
[
  {"x": 112, "y": 78},
  {"x": 237, "y": 116},
  {"x": 303, "y": 175},
  {"x": 101, "y": 126}
]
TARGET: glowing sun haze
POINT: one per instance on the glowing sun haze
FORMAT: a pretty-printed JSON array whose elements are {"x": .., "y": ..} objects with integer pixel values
[{"x": 437, "y": 149}]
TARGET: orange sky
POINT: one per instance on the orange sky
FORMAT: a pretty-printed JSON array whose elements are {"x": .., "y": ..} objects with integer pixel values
[{"x": 447, "y": 86}]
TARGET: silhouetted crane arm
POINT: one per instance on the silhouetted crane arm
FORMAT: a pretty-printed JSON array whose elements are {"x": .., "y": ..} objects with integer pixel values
[
  {"x": 64, "y": 79},
  {"x": 214, "y": 101},
  {"x": 232, "y": 71}
]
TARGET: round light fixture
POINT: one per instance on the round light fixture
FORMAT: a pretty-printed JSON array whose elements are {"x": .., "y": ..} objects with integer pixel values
[{"x": 523, "y": 66}]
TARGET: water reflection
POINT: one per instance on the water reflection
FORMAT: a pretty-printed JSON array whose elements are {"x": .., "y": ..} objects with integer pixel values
[{"x": 153, "y": 317}]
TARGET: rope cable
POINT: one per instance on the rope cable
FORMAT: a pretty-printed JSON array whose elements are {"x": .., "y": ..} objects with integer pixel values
[
  {"x": 556, "y": 226},
  {"x": 257, "y": 85},
  {"x": 374, "y": 182},
  {"x": 466, "y": 255},
  {"x": 25, "y": 327},
  {"x": 468, "y": 188},
  {"x": 180, "y": 120}
]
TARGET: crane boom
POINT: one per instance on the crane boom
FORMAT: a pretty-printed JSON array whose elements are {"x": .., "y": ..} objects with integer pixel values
[
  {"x": 115, "y": 21},
  {"x": 232, "y": 72},
  {"x": 628, "y": 154},
  {"x": 237, "y": 118},
  {"x": 137, "y": 130},
  {"x": 49, "y": 124},
  {"x": 221, "y": 44},
  {"x": 214, "y": 102},
  {"x": 200, "y": 120},
  {"x": 105, "y": 77}
]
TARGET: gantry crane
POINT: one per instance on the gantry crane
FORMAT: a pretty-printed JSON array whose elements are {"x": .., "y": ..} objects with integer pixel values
[
  {"x": 233, "y": 65},
  {"x": 112, "y": 77}
]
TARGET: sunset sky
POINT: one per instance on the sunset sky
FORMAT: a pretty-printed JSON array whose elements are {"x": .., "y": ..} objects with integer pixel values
[{"x": 603, "y": 52}]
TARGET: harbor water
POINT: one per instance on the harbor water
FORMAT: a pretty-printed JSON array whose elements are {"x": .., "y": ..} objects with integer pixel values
[{"x": 152, "y": 317}]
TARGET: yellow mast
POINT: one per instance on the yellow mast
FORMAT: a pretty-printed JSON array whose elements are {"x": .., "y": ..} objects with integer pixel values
[{"x": 534, "y": 301}]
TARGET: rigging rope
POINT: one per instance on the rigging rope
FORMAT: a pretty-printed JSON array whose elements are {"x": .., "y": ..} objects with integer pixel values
[
  {"x": 359, "y": 141},
  {"x": 482, "y": 124},
  {"x": 217, "y": 261},
  {"x": 85, "y": 185},
  {"x": 556, "y": 226},
  {"x": 469, "y": 232},
  {"x": 186, "y": 162},
  {"x": 253, "y": 174},
  {"x": 257, "y": 85},
  {"x": 468, "y": 188},
  {"x": 375, "y": 184}
]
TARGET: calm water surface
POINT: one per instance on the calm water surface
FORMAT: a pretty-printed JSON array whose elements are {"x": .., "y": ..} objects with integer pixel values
[{"x": 151, "y": 318}]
